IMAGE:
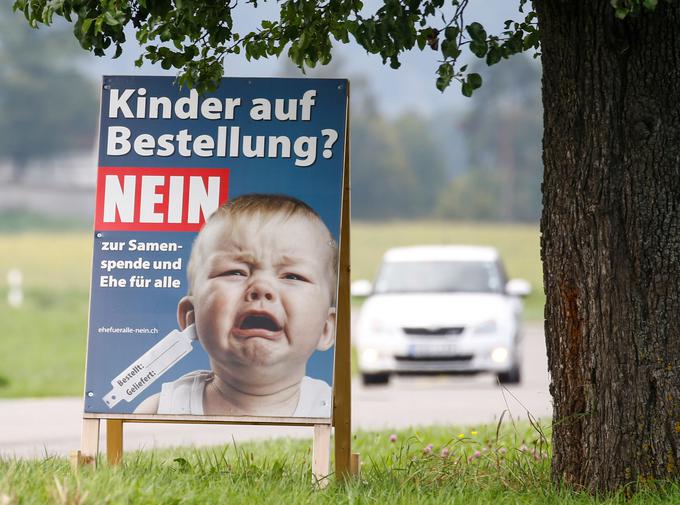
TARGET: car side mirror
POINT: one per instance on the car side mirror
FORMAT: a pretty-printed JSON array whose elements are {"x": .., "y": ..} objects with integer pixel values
[
  {"x": 361, "y": 288},
  {"x": 518, "y": 287}
]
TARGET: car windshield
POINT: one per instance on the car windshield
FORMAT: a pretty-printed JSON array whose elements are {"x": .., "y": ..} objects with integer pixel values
[{"x": 439, "y": 277}]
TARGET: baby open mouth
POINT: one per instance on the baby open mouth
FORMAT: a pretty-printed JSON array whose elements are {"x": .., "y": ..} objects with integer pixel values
[{"x": 259, "y": 322}]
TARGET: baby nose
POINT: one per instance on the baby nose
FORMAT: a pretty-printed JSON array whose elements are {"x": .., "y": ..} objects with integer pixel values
[{"x": 260, "y": 291}]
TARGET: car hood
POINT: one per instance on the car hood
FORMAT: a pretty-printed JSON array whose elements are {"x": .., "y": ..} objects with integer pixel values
[{"x": 439, "y": 309}]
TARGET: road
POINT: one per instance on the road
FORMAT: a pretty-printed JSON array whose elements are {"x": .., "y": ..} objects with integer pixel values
[{"x": 39, "y": 427}]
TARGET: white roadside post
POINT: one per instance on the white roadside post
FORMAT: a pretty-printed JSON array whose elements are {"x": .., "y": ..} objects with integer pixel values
[{"x": 15, "y": 294}]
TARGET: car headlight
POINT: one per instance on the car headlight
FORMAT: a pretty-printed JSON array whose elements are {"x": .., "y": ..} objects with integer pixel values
[
  {"x": 369, "y": 355},
  {"x": 487, "y": 327},
  {"x": 500, "y": 355}
]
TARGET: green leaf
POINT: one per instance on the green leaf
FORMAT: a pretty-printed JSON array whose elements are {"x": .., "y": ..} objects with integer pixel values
[
  {"x": 451, "y": 33},
  {"x": 476, "y": 32},
  {"x": 531, "y": 40},
  {"x": 110, "y": 19},
  {"x": 494, "y": 55},
  {"x": 478, "y": 48},
  {"x": 450, "y": 49},
  {"x": 87, "y": 23},
  {"x": 475, "y": 80},
  {"x": 466, "y": 89},
  {"x": 443, "y": 83},
  {"x": 143, "y": 35},
  {"x": 650, "y": 4},
  {"x": 445, "y": 72}
]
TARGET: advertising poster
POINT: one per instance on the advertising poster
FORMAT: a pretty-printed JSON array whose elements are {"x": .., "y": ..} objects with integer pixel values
[{"x": 214, "y": 277}]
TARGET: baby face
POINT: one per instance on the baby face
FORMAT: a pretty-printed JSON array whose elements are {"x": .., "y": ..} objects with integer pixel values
[{"x": 262, "y": 293}]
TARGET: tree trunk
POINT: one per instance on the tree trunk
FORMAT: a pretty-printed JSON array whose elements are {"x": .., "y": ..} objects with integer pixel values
[{"x": 611, "y": 240}]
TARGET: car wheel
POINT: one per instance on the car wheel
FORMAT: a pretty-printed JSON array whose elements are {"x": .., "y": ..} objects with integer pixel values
[
  {"x": 374, "y": 379},
  {"x": 512, "y": 376}
]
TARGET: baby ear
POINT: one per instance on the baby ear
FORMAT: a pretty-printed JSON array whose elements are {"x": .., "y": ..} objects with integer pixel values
[
  {"x": 185, "y": 312},
  {"x": 328, "y": 335}
]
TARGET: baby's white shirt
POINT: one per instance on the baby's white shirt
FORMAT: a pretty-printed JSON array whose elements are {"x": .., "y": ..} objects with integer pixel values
[{"x": 185, "y": 396}]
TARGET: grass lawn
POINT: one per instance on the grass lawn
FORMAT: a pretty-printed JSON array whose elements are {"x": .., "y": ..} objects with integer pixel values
[
  {"x": 426, "y": 466},
  {"x": 42, "y": 348}
]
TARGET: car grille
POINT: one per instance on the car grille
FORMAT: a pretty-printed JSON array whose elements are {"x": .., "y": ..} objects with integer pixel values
[
  {"x": 434, "y": 332},
  {"x": 457, "y": 357}
]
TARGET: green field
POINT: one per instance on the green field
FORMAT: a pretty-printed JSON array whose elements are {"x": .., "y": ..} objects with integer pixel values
[{"x": 42, "y": 349}]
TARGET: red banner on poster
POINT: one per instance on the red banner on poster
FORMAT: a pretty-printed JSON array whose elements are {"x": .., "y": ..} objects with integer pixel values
[{"x": 158, "y": 199}]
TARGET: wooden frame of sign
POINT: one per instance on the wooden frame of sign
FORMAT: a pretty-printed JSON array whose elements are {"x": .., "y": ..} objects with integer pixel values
[{"x": 346, "y": 463}]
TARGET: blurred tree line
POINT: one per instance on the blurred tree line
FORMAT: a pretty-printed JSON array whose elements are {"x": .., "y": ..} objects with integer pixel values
[
  {"x": 479, "y": 164},
  {"x": 502, "y": 131},
  {"x": 47, "y": 104}
]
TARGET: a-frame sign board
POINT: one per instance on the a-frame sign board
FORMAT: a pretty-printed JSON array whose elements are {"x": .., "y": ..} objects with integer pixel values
[{"x": 168, "y": 158}]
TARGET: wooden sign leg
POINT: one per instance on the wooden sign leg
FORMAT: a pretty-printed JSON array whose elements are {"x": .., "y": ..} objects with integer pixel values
[
  {"x": 342, "y": 381},
  {"x": 321, "y": 454},
  {"x": 114, "y": 440},
  {"x": 89, "y": 444},
  {"x": 355, "y": 464}
]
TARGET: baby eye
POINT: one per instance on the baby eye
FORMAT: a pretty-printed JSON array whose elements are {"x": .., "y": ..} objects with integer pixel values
[
  {"x": 295, "y": 277},
  {"x": 234, "y": 273}
]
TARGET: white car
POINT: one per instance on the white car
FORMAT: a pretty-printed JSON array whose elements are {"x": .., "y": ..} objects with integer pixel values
[{"x": 440, "y": 309}]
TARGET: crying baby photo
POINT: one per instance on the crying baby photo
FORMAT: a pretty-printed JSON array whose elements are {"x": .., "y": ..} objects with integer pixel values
[{"x": 262, "y": 280}]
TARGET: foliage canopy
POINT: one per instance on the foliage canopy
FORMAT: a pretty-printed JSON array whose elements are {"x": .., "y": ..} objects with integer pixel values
[{"x": 195, "y": 35}]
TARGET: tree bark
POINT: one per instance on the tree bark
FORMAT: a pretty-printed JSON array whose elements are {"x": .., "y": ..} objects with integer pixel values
[{"x": 611, "y": 240}]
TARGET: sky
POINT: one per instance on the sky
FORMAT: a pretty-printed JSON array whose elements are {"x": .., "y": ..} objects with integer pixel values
[{"x": 411, "y": 88}]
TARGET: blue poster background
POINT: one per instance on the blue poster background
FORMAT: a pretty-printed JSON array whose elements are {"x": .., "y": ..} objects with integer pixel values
[{"x": 319, "y": 185}]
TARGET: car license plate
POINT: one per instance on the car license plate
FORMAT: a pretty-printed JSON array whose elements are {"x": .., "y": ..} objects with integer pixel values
[{"x": 426, "y": 350}]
